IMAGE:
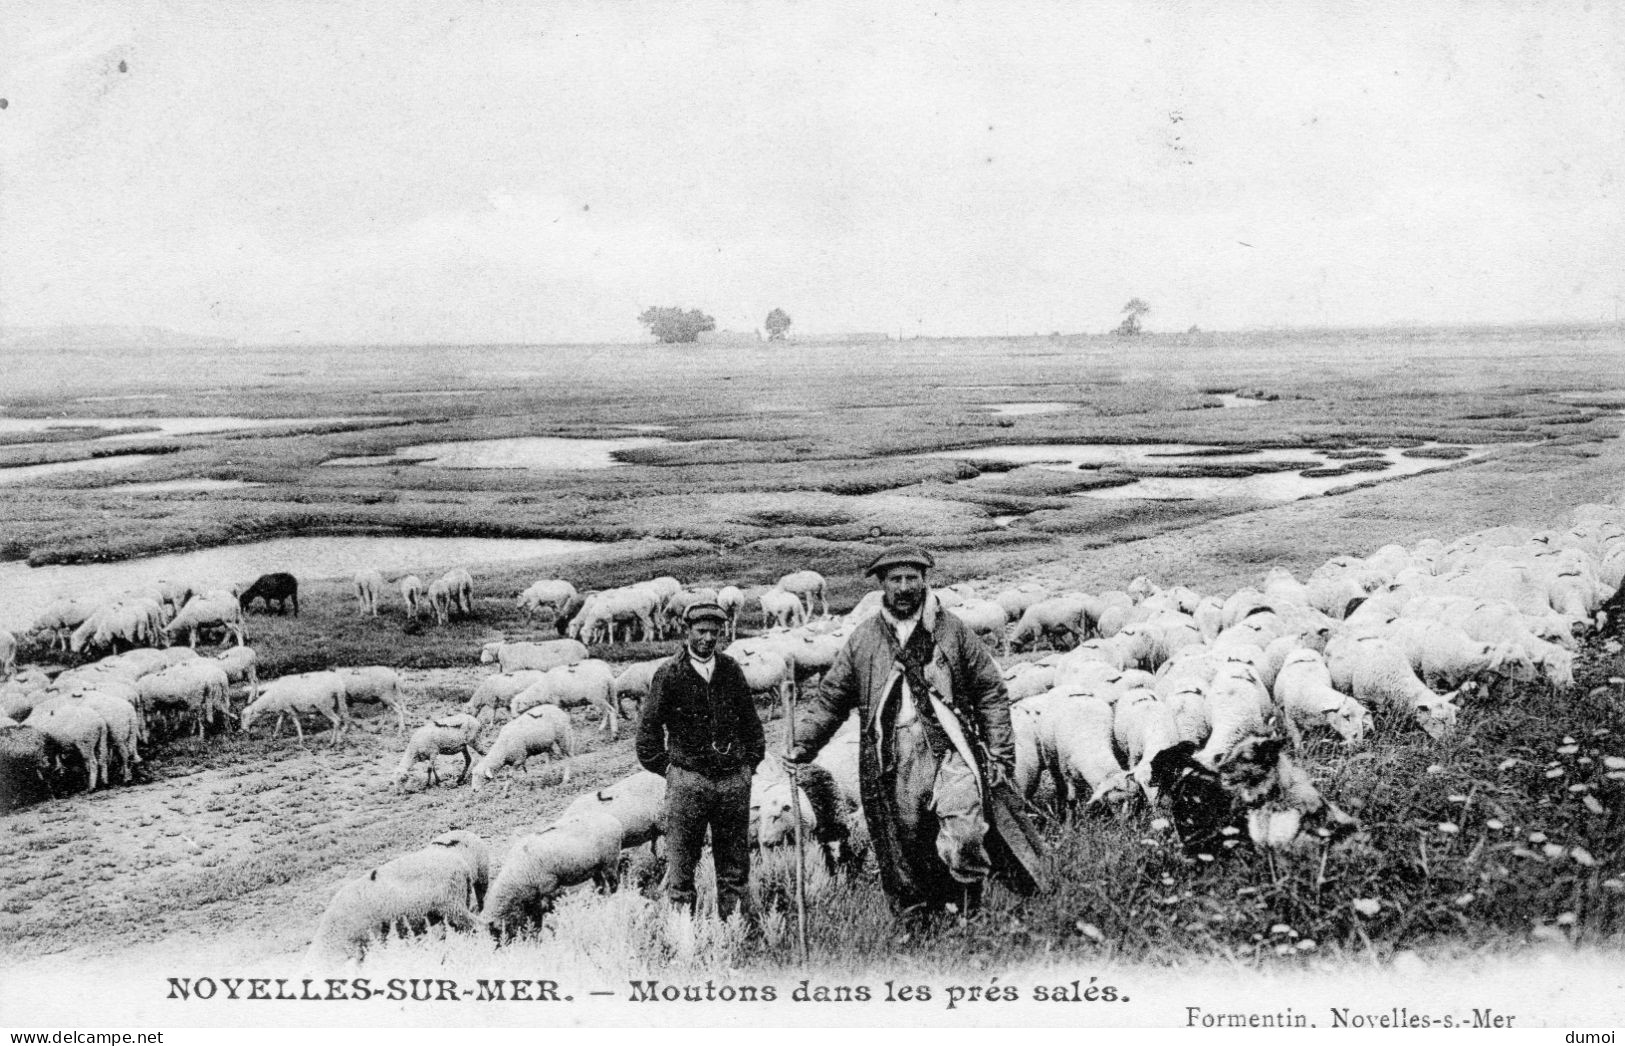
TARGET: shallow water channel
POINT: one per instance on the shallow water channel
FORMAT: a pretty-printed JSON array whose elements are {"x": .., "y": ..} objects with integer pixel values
[
  {"x": 524, "y": 452},
  {"x": 28, "y": 590}
]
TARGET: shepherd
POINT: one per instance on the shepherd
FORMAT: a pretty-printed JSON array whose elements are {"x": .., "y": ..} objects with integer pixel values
[{"x": 936, "y": 755}]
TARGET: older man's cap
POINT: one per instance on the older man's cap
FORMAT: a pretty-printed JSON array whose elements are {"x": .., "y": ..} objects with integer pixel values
[
  {"x": 705, "y": 612},
  {"x": 901, "y": 556}
]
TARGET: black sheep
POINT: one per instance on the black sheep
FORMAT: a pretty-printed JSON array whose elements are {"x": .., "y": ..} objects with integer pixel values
[{"x": 281, "y": 588}]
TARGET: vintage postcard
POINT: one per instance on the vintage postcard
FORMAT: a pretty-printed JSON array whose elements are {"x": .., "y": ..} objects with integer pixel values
[{"x": 752, "y": 514}]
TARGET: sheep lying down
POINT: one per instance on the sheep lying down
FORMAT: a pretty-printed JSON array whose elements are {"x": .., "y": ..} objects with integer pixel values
[
  {"x": 444, "y": 882},
  {"x": 585, "y": 847}
]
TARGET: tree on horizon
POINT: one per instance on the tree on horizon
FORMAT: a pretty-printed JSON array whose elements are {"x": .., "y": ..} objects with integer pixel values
[
  {"x": 672, "y": 324},
  {"x": 778, "y": 321},
  {"x": 1135, "y": 308}
]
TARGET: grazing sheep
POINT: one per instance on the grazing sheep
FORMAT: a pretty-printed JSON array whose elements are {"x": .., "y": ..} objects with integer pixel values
[
  {"x": 1075, "y": 746},
  {"x": 279, "y": 588},
  {"x": 496, "y": 691},
  {"x": 375, "y": 685},
  {"x": 781, "y": 609},
  {"x": 1015, "y": 601},
  {"x": 1280, "y": 799},
  {"x": 553, "y": 593},
  {"x": 1382, "y": 676},
  {"x": 987, "y": 619},
  {"x": 1059, "y": 616},
  {"x": 570, "y": 686},
  {"x": 1143, "y": 725},
  {"x": 551, "y": 653},
  {"x": 319, "y": 692},
  {"x": 604, "y": 612},
  {"x": 125, "y": 726},
  {"x": 1029, "y": 678},
  {"x": 458, "y": 586},
  {"x": 77, "y": 729},
  {"x": 586, "y": 846},
  {"x": 635, "y": 680},
  {"x": 242, "y": 666},
  {"x": 211, "y": 610},
  {"x": 448, "y": 735},
  {"x": 840, "y": 759},
  {"x": 1237, "y": 705},
  {"x": 732, "y": 600},
  {"x": 1445, "y": 656},
  {"x": 545, "y": 729},
  {"x": 637, "y": 802},
  {"x": 413, "y": 595},
  {"x": 807, "y": 584},
  {"x": 369, "y": 586},
  {"x": 61, "y": 617},
  {"x": 439, "y": 599},
  {"x": 1303, "y": 691},
  {"x": 27, "y": 755},
  {"x": 443, "y": 882},
  {"x": 195, "y": 692}
]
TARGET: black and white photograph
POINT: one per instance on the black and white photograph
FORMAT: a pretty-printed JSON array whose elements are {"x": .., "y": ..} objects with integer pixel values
[{"x": 772, "y": 514}]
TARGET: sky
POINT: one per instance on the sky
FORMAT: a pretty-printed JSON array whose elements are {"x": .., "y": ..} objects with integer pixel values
[{"x": 466, "y": 171}]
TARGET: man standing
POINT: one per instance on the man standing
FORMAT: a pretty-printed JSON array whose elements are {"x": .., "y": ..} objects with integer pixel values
[
  {"x": 699, "y": 730},
  {"x": 936, "y": 745}
]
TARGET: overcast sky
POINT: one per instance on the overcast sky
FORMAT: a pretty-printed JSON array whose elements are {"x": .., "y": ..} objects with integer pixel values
[{"x": 486, "y": 171}]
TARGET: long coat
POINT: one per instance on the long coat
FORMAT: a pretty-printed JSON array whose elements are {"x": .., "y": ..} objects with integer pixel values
[{"x": 971, "y": 704}]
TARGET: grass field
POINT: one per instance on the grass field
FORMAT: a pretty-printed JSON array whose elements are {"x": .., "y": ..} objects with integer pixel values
[{"x": 235, "y": 844}]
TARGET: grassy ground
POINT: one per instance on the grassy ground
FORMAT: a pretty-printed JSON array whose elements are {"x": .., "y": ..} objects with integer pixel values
[{"x": 810, "y": 485}]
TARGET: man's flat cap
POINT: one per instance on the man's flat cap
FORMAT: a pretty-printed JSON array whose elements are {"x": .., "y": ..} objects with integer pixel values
[
  {"x": 705, "y": 612},
  {"x": 901, "y": 556}
]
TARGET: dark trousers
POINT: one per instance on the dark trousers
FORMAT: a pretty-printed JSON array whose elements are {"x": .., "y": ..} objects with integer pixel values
[{"x": 694, "y": 803}]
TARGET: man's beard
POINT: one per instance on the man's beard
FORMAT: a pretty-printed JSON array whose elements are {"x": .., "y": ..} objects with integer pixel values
[{"x": 899, "y": 612}]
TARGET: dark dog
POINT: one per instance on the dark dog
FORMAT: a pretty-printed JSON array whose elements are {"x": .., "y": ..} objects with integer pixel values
[
  {"x": 1203, "y": 809},
  {"x": 1284, "y": 808}
]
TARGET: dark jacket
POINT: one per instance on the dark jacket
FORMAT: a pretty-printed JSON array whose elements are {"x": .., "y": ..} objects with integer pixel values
[
  {"x": 971, "y": 689},
  {"x": 708, "y": 728}
]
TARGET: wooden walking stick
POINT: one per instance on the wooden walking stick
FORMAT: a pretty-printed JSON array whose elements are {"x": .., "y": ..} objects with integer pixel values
[{"x": 787, "y": 690}]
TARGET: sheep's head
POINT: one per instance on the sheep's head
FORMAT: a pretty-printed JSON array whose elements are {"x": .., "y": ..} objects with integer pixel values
[
  {"x": 1350, "y": 719},
  {"x": 1437, "y": 716},
  {"x": 1116, "y": 792},
  {"x": 1557, "y": 666},
  {"x": 481, "y": 775},
  {"x": 1508, "y": 661}
]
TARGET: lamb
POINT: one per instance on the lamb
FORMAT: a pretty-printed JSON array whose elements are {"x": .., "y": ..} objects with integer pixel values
[
  {"x": 551, "y": 593},
  {"x": 445, "y": 881},
  {"x": 413, "y": 595},
  {"x": 448, "y": 735},
  {"x": 196, "y": 691},
  {"x": 569, "y": 686},
  {"x": 211, "y": 610},
  {"x": 637, "y": 801},
  {"x": 1382, "y": 676},
  {"x": 1280, "y": 799},
  {"x": 550, "y": 653},
  {"x": 587, "y": 846},
  {"x": 1304, "y": 693},
  {"x": 279, "y": 588},
  {"x": 781, "y": 609},
  {"x": 242, "y": 666},
  {"x": 806, "y": 584},
  {"x": 319, "y": 692},
  {"x": 495, "y": 691},
  {"x": 369, "y": 585},
  {"x": 544, "y": 729}
]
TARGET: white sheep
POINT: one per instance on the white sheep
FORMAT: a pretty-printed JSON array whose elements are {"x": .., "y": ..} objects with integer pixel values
[
  {"x": 1238, "y": 705},
  {"x": 781, "y": 609},
  {"x": 732, "y": 600},
  {"x": 448, "y": 735},
  {"x": 987, "y": 619},
  {"x": 1051, "y": 618},
  {"x": 550, "y": 653},
  {"x": 375, "y": 685},
  {"x": 1304, "y": 693},
  {"x": 195, "y": 691},
  {"x": 1382, "y": 676},
  {"x": 806, "y": 585},
  {"x": 1143, "y": 725},
  {"x": 543, "y": 730},
  {"x": 78, "y": 729},
  {"x": 1075, "y": 746},
  {"x": 585, "y": 847},
  {"x": 459, "y": 588},
  {"x": 210, "y": 610},
  {"x": 590, "y": 682},
  {"x": 439, "y": 600},
  {"x": 125, "y": 726},
  {"x": 414, "y": 596},
  {"x": 319, "y": 692},
  {"x": 445, "y": 882},
  {"x": 635, "y": 680},
  {"x": 242, "y": 666},
  {"x": 1017, "y": 599},
  {"x": 495, "y": 691},
  {"x": 552, "y": 593},
  {"x": 369, "y": 586},
  {"x": 1445, "y": 656},
  {"x": 637, "y": 802}
]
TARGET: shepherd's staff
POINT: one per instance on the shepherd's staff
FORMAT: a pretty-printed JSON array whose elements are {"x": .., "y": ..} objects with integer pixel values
[{"x": 787, "y": 690}]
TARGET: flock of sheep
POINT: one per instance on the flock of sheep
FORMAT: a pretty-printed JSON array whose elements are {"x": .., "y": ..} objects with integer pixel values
[{"x": 1131, "y": 676}]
